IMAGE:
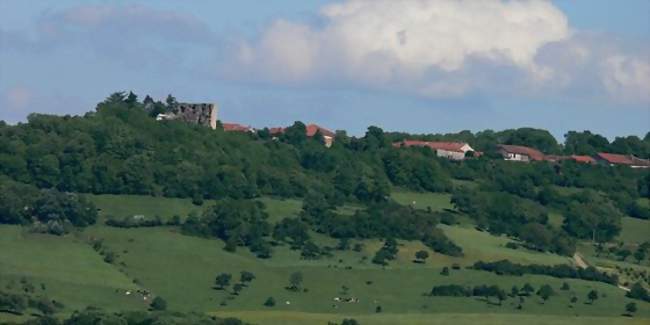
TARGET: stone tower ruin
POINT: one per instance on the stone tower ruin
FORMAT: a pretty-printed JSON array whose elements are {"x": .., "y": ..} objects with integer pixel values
[{"x": 204, "y": 114}]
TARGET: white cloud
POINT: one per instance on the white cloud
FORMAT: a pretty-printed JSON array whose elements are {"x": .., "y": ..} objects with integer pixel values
[
  {"x": 381, "y": 42},
  {"x": 627, "y": 78}
]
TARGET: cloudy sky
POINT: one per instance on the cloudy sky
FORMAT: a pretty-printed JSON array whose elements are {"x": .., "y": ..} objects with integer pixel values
[{"x": 412, "y": 65}]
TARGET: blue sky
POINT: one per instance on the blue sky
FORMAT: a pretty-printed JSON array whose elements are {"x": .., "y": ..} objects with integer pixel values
[{"x": 407, "y": 66}]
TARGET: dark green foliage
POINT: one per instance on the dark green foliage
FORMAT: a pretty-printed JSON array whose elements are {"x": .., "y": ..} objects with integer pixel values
[
  {"x": 439, "y": 242},
  {"x": 451, "y": 290},
  {"x": 421, "y": 256},
  {"x": 631, "y": 308},
  {"x": 93, "y": 315},
  {"x": 222, "y": 280},
  {"x": 311, "y": 251},
  {"x": 246, "y": 277},
  {"x": 565, "y": 286},
  {"x": 501, "y": 213},
  {"x": 584, "y": 143},
  {"x": 412, "y": 169},
  {"x": 637, "y": 291},
  {"x": 295, "y": 281},
  {"x": 137, "y": 221},
  {"x": 14, "y": 303},
  {"x": 545, "y": 292},
  {"x": 349, "y": 321},
  {"x": 454, "y": 290},
  {"x": 293, "y": 229},
  {"x": 592, "y": 217},
  {"x": 158, "y": 303},
  {"x": 237, "y": 222},
  {"x": 50, "y": 209},
  {"x": 386, "y": 253},
  {"x": 592, "y": 296},
  {"x": 270, "y": 302},
  {"x": 506, "y": 267}
]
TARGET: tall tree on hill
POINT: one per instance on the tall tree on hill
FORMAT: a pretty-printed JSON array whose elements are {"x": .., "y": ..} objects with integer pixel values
[
  {"x": 171, "y": 101},
  {"x": 295, "y": 134},
  {"x": 222, "y": 280},
  {"x": 584, "y": 143},
  {"x": 374, "y": 138},
  {"x": 530, "y": 137}
]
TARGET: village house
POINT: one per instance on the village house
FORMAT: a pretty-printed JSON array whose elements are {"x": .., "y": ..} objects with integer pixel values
[
  {"x": 449, "y": 150},
  {"x": 520, "y": 153},
  {"x": 613, "y": 159},
  {"x": 310, "y": 131},
  {"x": 234, "y": 127},
  {"x": 328, "y": 135},
  {"x": 583, "y": 159},
  {"x": 576, "y": 158}
]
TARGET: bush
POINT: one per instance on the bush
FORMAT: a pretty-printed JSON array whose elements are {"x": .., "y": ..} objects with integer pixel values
[
  {"x": 270, "y": 302},
  {"x": 505, "y": 267},
  {"x": 158, "y": 303}
]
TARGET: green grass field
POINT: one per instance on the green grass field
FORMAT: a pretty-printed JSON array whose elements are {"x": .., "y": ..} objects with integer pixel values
[
  {"x": 634, "y": 230},
  {"x": 437, "y": 201},
  {"x": 69, "y": 268},
  {"x": 182, "y": 270},
  {"x": 282, "y": 318},
  {"x": 129, "y": 205}
]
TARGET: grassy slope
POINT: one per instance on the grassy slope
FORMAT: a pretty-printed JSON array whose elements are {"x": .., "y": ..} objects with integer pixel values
[
  {"x": 634, "y": 230},
  {"x": 182, "y": 269},
  {"x": 70, "y": 269},
  {"x": 128, "y": 205},
  {"x": 437, "y": 201},
  {"x": 282, "y": 318}
]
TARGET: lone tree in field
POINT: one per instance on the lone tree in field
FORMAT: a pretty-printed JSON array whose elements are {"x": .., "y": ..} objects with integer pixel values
[
  {"x": 246, "y": 277},
  {"x": 639, "y": 255},
  {"x": 624, "y": 254},
  {"x": 295, "y": 281},
  {"x": 158, "y": 303},
  {"x": 237, "y": 288},
  {"x": 514, "y": 291},
  {"x": 565, "y": 286},
  {"x": 592, "y": 296},
  {"x": 222, "y": 280},
  {"x": 545, "y": 292},
  {"x": 445, "y": 271},
  {"x": 421, "y": 256},
  {"x": 270, "y": 302},
  {"x": 528, "y": 289},
  {"x": 630, "y": 308},
  {"x": 501, "y": 296}
]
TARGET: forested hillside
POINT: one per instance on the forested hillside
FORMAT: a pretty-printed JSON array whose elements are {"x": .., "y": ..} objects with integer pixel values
[
  {"x": 121, "y": 149},
  {"x": 117, "y": 180}
]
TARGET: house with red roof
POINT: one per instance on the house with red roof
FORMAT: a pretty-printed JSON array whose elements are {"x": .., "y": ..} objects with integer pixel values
[
  {"x": 234, "y": 127},
  {"x": 449, "y": 150},
  {"x": 613, "y": 159},
  {"x": 328, "y": 135},
  {"x": 310, "y": 131},
  {"x": 583, "y": 159},
  {"x": 576, "y": 158},
  {"x": 520, "y": 153}
]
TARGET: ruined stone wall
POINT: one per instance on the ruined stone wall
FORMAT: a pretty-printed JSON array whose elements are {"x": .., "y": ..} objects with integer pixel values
[{"x": 201, "y": 114}]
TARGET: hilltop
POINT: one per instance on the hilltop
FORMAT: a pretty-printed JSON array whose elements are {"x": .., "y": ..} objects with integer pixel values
[{"x": 116, "y": 209}]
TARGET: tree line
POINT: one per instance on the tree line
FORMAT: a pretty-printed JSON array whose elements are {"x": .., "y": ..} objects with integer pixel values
[{"x": 121, "y": 149}]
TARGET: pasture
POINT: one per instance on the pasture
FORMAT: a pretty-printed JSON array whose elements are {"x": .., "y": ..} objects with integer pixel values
[
  {"x": 182, "y": 269},
  {"x": 436, "y": 201}
]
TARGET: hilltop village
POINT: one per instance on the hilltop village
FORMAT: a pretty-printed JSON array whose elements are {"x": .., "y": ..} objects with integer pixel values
[{"x": 206, "y": 115}]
